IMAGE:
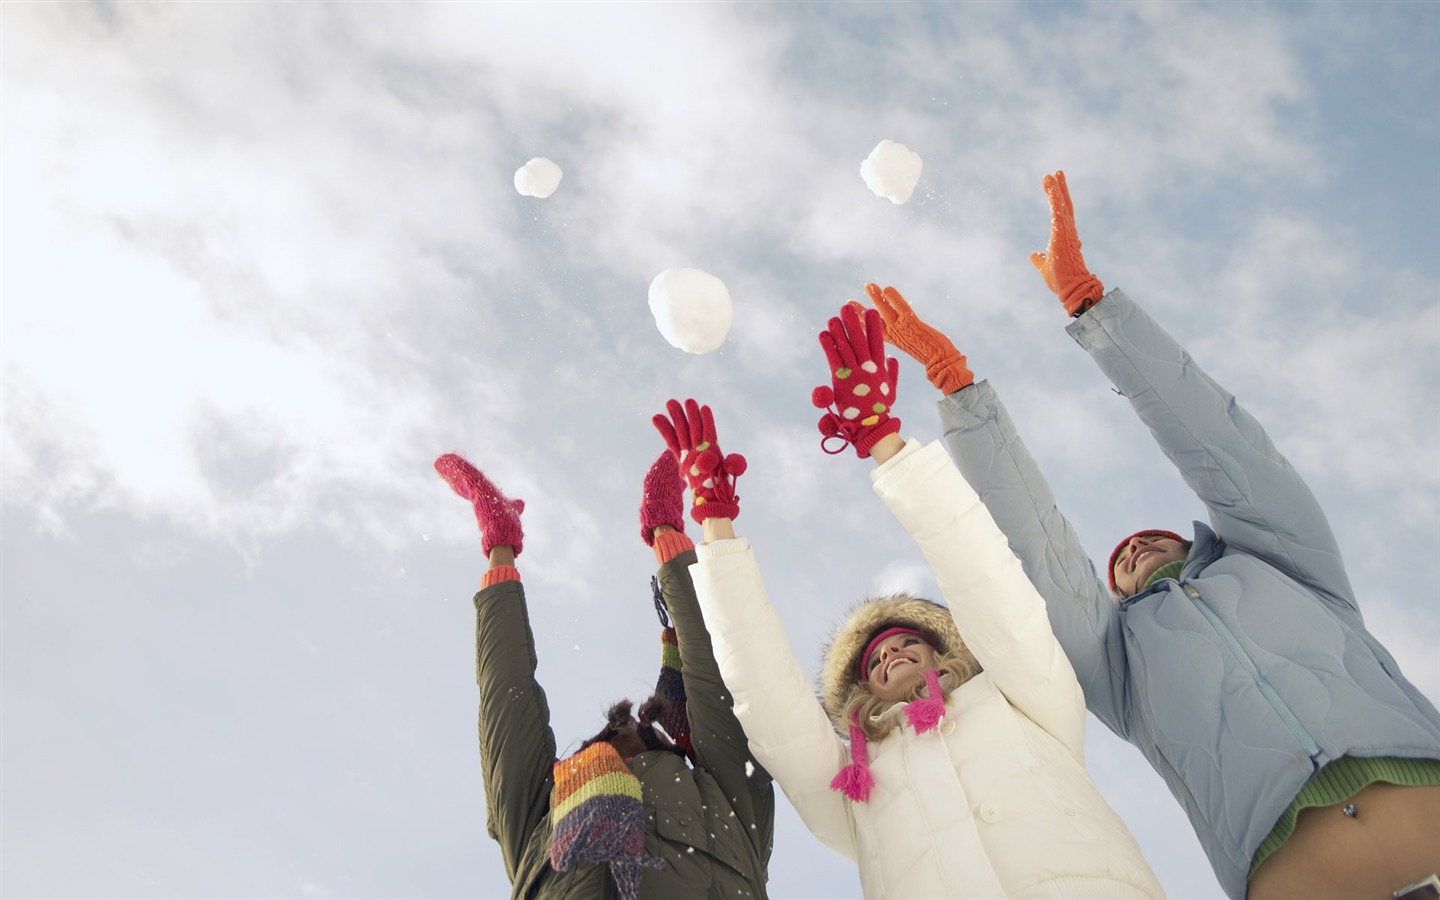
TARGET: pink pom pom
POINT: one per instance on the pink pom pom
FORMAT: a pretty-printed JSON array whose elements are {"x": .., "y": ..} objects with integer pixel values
[
  {"x": 735, "y": 464},
  {"x": 828, "y": 427},
  {"x": 822, "y": 397},
  {"x": 854, "y": 781},
  {"x": 925, "y": 713}
]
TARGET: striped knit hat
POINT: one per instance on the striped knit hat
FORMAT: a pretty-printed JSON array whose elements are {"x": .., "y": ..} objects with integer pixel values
[{"x": 597, "y": 816}]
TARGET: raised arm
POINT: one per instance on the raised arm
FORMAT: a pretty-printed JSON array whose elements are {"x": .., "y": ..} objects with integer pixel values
[
  {"x": 707, "y": 719},
  {"x": 517, "y": 746},
  {"x": 993, "y": 460},
  {"x": 994, "y": 605},
  {"x": 786, "y": 729},
  {"x": 1256, "y": 500}
]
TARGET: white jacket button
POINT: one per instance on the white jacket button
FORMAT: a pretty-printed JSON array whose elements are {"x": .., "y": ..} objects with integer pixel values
[
  {"x": 1035, "y": 770},
  {"x": 1069, "y": 810},
  {"x": 990, "y": 811}
]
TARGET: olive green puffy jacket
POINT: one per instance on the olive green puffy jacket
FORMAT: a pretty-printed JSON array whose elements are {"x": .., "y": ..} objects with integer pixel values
[{"x": 712, "y": 824}]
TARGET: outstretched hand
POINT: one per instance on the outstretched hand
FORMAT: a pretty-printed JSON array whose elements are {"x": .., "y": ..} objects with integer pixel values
[
  {"x": 944, "y": 365},
  {"x": 689, "y": 432},
  {"x": 498, "y": 515},
  {"x": 662, "y": 499},
  {"x": 862, "y": 381},
  {"x": 1061, "y": 264}
]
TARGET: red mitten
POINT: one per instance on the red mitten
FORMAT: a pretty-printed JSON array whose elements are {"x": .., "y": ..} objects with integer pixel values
[
  {"x": 1061, "y": 265},
  {"x": 862, "y": 381},
  {"x": 498, "y": 515},
  {"x": 663, "y": 499},
  {"x": 690, "y": 435}
]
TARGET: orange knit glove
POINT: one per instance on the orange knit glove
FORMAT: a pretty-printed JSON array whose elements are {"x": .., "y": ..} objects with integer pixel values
[
  {"x": 1061, "y": 264},
  {"x": 944, "y": 365}
]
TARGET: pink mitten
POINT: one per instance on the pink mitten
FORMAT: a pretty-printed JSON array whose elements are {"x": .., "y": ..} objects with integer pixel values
[
  {"x": 690, "y": 435},
  {"x": 862, "y": 381},
  {"x": 663, "y": 499},
  {"x": 498, "y": 515}
]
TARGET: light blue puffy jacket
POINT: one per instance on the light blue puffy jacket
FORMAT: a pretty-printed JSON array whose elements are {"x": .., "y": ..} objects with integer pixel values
[{"x": 1253, "y": 669}]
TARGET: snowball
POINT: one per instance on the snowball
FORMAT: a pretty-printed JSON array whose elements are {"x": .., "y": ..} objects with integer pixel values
[
  {"x": 891, "y": 171},
  {"x": 538, "y": 178},
  {"x": 691, "y": 309}
]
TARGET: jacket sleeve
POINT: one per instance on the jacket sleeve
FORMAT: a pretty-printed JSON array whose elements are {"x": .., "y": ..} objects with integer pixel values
[
  {"x": 517, "y": 746},
  {"x": 995, "y": 607},
  {"x": 993, "y": 459},
  {"x": 788, "y": 731},
  {"x": 715, "y": 732},
  {"x": 1256, "y": 500}
]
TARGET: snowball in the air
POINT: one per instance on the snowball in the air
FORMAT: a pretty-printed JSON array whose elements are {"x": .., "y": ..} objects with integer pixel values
[
  {"x": 537, "y": 178},
  {"x": 891, "y": 171},
  {"x": 691, "y": 309}
]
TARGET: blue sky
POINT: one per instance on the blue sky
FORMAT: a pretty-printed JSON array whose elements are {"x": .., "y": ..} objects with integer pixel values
[{"x": 264, "y": 262}]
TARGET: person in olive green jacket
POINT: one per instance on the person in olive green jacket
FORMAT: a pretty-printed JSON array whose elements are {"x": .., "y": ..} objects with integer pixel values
[{"x": 637, "y": 813}]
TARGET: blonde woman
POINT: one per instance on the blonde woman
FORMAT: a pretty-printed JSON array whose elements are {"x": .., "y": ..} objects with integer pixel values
[{"x": 944, "y": 766}]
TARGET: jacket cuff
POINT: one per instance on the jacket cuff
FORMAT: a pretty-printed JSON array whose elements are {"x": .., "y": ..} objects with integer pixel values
[
  {"x": 721, "y": 549},
  {"x": 912, "y": 446},
  {"x": 1094, "y": 319}
]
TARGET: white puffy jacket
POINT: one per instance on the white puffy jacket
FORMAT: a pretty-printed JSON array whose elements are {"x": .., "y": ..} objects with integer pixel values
[{"x": 996, "y": 802}]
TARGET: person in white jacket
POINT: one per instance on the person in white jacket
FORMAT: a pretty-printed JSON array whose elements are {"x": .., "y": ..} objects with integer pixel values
[{"x": 963, "y": 774}]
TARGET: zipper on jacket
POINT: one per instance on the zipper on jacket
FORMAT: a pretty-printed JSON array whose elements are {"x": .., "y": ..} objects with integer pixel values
[{"x": 1277, "y": 703}]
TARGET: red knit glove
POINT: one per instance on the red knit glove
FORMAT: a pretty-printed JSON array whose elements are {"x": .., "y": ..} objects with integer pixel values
[
  {"x": 862, "y": 381},
  {"x": 1061, "y": 264},
  {"x": 498, "y": 515},
  {"x": 663, "y": 500},
  {"x": 690, "y": 435},
  {"x": 944, "y": 365}
]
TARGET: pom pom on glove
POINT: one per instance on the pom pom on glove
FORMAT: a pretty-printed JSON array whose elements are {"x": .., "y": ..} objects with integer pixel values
[
  {"x": 689, "y": 432},
  {"x": 862, "y": 382}
]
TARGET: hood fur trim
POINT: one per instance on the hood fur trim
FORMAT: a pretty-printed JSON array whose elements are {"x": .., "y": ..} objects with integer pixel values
[{"x": 841, "y": 656}]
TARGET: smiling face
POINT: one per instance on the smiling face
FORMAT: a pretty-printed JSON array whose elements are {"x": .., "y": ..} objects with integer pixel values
[
  {"x": 1141, "y": 555},
  {"x": 896, "y": 663}
]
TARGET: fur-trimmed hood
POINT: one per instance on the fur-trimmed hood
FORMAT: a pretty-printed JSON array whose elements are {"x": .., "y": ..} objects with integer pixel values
[{"x": 841, "y": 656}]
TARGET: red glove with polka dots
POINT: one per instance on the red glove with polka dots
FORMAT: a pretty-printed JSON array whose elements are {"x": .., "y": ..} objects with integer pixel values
[
  {"x": 689, "y": 432},
  {"x": 862, "y": 381}
]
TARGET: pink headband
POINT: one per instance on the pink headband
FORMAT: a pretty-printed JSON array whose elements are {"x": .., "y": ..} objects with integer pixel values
[{"x": 877, "y": 639}]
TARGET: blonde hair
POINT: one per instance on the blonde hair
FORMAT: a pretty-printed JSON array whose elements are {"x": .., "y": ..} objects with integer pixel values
[{"x": 962, "y": 666}]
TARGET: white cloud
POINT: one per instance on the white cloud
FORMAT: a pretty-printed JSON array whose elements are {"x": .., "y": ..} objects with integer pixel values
[{"x": 264, "y": 262}]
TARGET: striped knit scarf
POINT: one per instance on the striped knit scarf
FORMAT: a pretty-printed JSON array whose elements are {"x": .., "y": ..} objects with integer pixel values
[{"x": 597, "y": 816}]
